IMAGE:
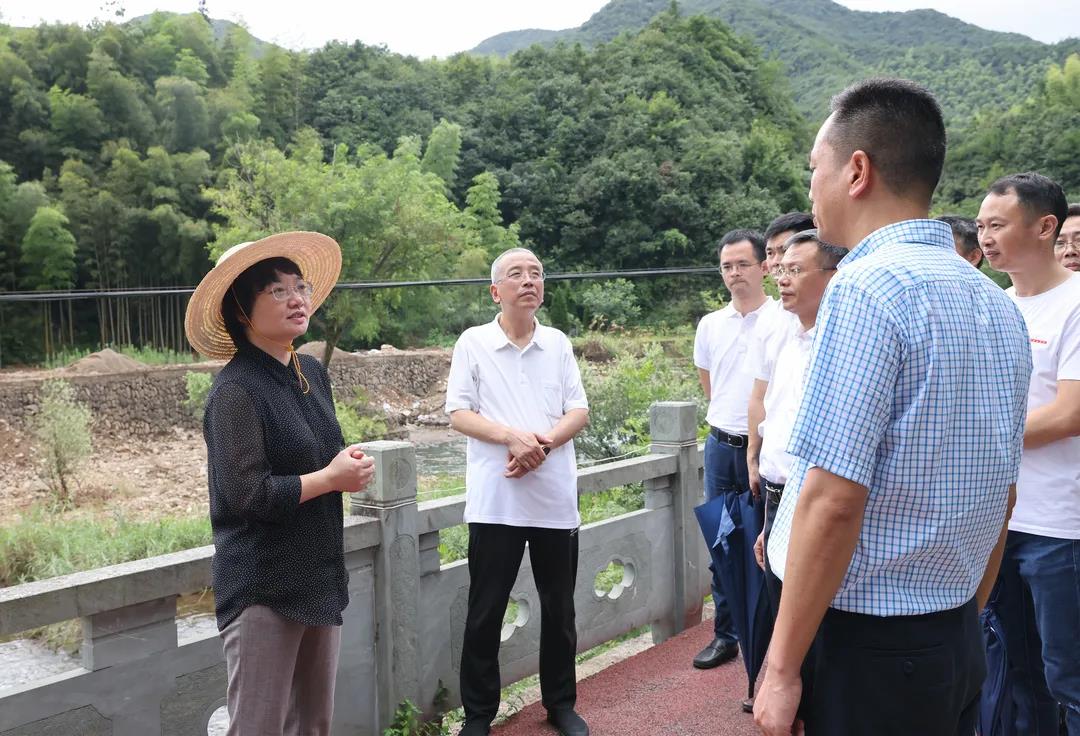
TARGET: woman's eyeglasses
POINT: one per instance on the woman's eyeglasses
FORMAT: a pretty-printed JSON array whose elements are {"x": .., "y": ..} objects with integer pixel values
[{"x": 303, "y": 289}]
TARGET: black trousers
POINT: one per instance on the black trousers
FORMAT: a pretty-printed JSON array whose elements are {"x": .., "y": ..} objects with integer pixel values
[
  {"x": 495, "y": 553},
  {"x": 773, "y": 585},
  {"x": 895, "y": 675}
]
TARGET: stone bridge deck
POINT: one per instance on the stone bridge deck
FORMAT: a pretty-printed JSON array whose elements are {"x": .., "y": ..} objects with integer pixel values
[{"x": 655, "y": 693}]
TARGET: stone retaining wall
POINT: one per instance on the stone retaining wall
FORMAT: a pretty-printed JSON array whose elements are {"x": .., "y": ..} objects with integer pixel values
[{"x": 151, "y": 400}]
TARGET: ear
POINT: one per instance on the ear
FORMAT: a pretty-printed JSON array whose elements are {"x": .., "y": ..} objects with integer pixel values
[
  {"x": 858, "y": 173},
  {"x": 1047, "y": 226},
  {"x": 494, "y": 294}
]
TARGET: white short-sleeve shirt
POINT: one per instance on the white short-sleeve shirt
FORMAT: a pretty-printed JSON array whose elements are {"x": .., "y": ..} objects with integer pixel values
[
  {"x": 531, "y": 389},
  {"x": 782, "y": 400},
  {"x": 722, "y": 346},
  {"x": 1048, "y": 489}
]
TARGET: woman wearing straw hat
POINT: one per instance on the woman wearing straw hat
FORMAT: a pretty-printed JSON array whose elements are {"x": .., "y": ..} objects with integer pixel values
[{"x": 276, "y": 469}]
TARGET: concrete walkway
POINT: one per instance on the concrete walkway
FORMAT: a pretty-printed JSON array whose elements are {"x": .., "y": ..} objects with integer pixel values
[{"x": 655, "y": 693}]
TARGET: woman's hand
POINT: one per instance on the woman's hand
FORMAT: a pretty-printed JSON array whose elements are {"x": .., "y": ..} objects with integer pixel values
[{"x": 351, "y": 470}]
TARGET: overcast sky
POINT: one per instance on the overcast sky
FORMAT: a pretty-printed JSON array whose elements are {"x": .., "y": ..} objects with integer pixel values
[{"x": 441, "y": 27}]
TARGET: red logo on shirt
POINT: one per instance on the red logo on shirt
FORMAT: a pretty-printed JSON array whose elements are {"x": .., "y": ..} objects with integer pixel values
[{"x": 1037, "y": 341}]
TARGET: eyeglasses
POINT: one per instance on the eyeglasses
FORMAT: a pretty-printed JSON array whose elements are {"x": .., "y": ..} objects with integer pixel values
[
  {"x": 794, "y": 271},
  {"x": 303, "y": 289},
  {"x": 518, "y": 275},
  {"x": 1065, "y": 243},
  {"x": 737, "y": 266}
]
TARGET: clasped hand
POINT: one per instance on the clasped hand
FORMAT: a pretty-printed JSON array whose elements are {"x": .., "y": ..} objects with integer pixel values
[
  {"x": 525, "y": 451},
  {"x": 351, "y": 469}
]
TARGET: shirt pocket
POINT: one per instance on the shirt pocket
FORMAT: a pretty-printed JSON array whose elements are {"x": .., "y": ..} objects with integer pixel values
[{"x": 553, "y": 400}]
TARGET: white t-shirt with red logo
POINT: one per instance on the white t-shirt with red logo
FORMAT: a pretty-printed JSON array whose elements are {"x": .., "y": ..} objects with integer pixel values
[{"x": 1048, "y": 490}]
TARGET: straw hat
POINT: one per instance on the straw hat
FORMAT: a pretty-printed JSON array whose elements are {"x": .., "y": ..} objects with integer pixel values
[{"x": 317, "y": 255}]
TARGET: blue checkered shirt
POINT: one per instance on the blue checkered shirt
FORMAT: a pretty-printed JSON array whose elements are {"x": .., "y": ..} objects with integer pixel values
[{"x": 917, "y": 389}]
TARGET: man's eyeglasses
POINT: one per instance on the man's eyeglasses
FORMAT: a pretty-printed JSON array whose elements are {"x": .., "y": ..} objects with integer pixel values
[
  {"x": 1065, "y": 243},
  {"x": 518, "y": 275},
  {"x": 303, "y": 289},
  {"x": 794, "y": 271}
]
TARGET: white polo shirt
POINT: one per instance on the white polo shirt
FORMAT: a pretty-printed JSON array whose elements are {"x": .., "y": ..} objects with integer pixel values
[
  {"x": 721, "y": 347},
  {"x": 1048, "y": 489},
  {"x": 530, "y": 389},
  {"x": 786, "y": 375}
]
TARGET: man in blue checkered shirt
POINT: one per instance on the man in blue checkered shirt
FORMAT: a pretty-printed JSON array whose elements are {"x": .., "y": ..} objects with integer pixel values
[{"x": 907, "y": 445}]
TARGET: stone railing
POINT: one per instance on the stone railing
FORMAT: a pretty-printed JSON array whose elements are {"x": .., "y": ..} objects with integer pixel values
[{"x": 403, "y": 628}]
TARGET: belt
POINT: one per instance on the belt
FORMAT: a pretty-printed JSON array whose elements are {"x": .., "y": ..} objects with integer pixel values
[
  {"x": 735, "y": 440},
  {"x": 773, "y": 491}
]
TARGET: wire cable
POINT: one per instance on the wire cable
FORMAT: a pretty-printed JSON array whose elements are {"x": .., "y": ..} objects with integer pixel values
[{"x": 76, "y": 294}]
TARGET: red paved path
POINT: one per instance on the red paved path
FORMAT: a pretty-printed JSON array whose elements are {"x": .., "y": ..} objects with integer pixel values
[{"x": 655, "y": 693}]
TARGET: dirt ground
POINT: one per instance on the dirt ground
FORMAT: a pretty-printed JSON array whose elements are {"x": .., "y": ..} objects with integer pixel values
[
  {"x": 159, "y": 477},
  {"x": 140, "y": 480}
]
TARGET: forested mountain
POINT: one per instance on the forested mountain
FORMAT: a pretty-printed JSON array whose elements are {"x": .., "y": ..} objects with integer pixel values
[
  {"x": 130, "y": 154},
  {"x": 127, "y": 149},
  {"x": 825, "y": 46}
]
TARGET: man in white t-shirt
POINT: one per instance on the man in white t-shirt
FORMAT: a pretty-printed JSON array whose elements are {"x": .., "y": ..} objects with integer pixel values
[
  {"x": 721, "y": 349},
  {"x": 805, "y": 270},
  {"x": 515, "y": 391},
  {"x": 1038, "y": 593}
]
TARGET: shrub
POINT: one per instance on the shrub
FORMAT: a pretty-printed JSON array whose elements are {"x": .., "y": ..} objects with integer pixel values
[
  {"x": 62, "y": 429},
  {"x": 198, "y": 388},
  {"x": 620, "y": 394},
  {"x": 357, "y": 426},
  {"x": 610, "y": 304}
]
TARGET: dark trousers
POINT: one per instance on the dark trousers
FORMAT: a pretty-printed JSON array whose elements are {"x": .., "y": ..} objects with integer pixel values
[
  {"x": 495, "y": 552},
  {"x": 1037, "y": 600},
  {"x": 895, "y": 675},
  {"x": 773, "y": 586}
]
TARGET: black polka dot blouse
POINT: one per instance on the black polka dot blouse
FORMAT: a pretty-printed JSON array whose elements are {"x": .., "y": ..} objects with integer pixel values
[{"x": 262, "y": 432}]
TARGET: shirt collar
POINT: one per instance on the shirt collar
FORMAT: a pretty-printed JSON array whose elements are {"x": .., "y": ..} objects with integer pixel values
[
  {"x": 497, "y": 339},
  {"x": 925, "y": 232},
  {"x": 730, "y": 311}
]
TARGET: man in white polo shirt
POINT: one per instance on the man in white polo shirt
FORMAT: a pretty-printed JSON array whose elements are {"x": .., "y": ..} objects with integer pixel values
[
  {"x": 721, "y": 349},
  {"x": 514, "y": 390},
  {"x": 1038, "y": 601},
  {"x": 805, "y": 270}
]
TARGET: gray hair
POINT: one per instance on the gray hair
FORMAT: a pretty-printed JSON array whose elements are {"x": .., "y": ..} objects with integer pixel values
[{"x": 497, "y": 263}]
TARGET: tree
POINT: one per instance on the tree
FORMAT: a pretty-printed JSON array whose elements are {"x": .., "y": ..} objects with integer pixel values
[
  {"x": 441, "y": 154},
  {"x": 184, "y": 119},
  {"x": 48, "y": 259},
  {"x": 48, "y": 251}
]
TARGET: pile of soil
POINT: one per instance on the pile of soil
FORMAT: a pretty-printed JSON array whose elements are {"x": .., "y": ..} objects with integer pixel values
[
  {"x": 317, "y": 348},
  {"x": 104, "y": 361}
]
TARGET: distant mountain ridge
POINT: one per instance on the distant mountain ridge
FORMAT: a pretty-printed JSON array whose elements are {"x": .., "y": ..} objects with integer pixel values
[{"x": 824, "y": 46}]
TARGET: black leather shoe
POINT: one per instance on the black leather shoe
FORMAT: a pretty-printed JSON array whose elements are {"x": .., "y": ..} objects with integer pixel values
[
  {"x": 568, "y": 722},
  {"x": 748, "y": 706},
  {"x": 475, "y": 728},
  {"x": 714, "y": 655}
]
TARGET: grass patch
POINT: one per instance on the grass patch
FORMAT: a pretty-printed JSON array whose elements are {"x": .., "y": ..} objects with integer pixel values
[
  {"x": 145, "y": 355},
  {"x": 39, "y": 545}
]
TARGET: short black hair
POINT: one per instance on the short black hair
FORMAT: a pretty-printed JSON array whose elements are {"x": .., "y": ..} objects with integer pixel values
[
  {"x": 965, "y": 232},
  {"x": 899, "y": 125},
  {"x": 736, "y": 236},
  {"x": 1074, "y": 210},
  {"x": 793, "y": 221},
  {"x": 241, "y": 295},
  {"x": 1038, "y": 194},
  {"x": 829, "y": 255}
]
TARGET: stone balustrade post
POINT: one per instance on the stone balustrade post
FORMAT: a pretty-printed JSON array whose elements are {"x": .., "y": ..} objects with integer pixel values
[
  {"x": 673, "y": 430},
  {"x": 119, "y": 639},
  {"x": 391, "y": 498}
]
